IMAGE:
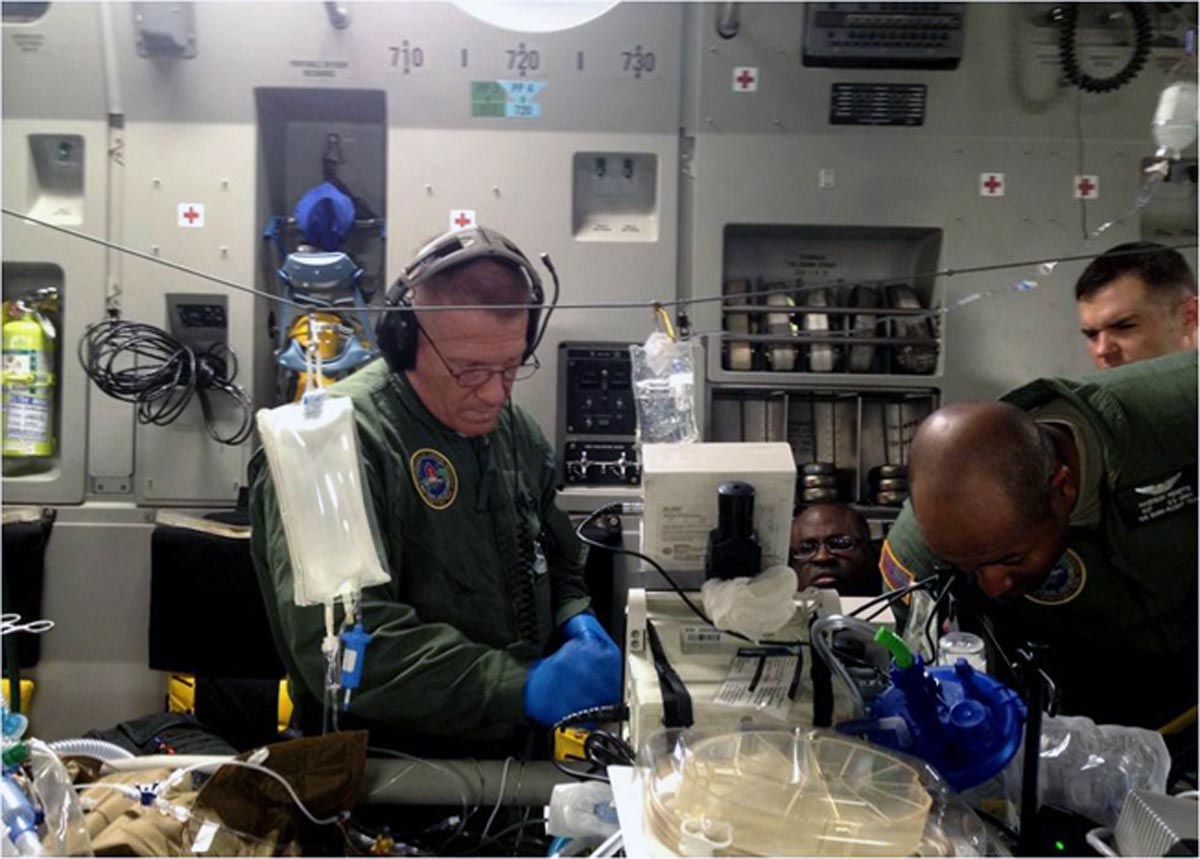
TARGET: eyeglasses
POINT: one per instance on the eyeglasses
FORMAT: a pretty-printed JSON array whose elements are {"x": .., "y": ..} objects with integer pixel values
[
  {"x": 475, "y": 377},
  {"x": 834, "y": 543}
]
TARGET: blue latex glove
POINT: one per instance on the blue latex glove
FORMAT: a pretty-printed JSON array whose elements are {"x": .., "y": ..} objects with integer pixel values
[
  {"x": 585, "y": 625},
  {"x": 585, "y": 672}
]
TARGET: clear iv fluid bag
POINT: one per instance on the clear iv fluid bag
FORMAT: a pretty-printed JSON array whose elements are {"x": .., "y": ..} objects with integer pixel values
[
  {"x": 1174, "y": 123},
  {"x": 1175, "y": 118},
  {"x": 315, "y": 467}
]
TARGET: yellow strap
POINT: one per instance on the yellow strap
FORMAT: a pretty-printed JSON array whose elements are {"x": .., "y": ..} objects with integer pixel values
[
  {"x": 181, "y": 698},
  {"x": 27, "y": 687},
  {"x": 665, "y": 319},
  {"x": 1184, "y": 720}
]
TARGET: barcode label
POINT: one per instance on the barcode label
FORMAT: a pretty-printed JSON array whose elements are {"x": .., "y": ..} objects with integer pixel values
[{"x": 699, "y": 636}]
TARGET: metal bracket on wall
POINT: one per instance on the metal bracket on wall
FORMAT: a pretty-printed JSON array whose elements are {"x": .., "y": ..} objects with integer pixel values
[
  {"x": 165, "y": 30},
  {"x": 729, "y": 22},
  {"x": 339, "y": 15},
  {"x": 111, "y": 485}
]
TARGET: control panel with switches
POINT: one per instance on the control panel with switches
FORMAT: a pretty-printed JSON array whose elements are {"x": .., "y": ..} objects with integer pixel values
[
  {"x": 597, "y": 425},
  {"x": 601, "y": 463}
]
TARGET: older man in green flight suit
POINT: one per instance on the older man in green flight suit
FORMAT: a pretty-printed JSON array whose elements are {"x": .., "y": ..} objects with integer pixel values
[
  {"x": 487, "y": 630},
  {"x": 1072, "y": 507}
]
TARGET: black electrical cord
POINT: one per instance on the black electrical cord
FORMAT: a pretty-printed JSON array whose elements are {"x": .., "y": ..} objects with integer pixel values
[
  {"x": 933, "y": 615},
  {"x": 892, "y": 597},
  {"x": 608, "y": 750},
  {"x": 613, "y": 508},
  {"x": 600, "y": 748},
  {"x": 1068, "y": 15},
  {"x": 144, "y": 365}
]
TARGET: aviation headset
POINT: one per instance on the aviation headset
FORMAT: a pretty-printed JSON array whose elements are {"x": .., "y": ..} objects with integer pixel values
[{"x": 396, "y": 332}]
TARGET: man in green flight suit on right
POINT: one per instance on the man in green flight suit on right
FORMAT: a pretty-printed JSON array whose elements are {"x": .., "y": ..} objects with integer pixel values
[{"x": 1072, "y": 507}]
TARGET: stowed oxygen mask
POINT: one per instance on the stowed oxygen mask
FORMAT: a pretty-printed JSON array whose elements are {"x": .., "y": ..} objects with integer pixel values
[{"x": 312, "y": 450}]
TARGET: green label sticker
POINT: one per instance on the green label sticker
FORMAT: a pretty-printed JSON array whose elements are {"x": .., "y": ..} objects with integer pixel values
[{"x": 506, "y": 99}]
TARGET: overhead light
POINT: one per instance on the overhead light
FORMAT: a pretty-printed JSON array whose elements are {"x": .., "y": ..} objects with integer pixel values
[{"x": 535, "y": 17}]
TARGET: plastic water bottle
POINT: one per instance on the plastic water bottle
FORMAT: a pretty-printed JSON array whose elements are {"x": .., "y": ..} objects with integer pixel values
[{"x": 1174, "y": 124}]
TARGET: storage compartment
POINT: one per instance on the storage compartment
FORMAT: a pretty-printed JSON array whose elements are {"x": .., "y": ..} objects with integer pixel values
[
  {"x": 56, "y": 181},
  {"x": 307, "y": 136},
  {"x": 850, "y": 446},
  {"x": 831, "y": 300},
  {"x": 615, "y": 197}
]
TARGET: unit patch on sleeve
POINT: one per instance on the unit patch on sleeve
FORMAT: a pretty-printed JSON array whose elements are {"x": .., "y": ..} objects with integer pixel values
[
  {"x": 435, "y": 478},
  {"x": 1064, "y": 583},
  {"x": 895, "y": 574}
]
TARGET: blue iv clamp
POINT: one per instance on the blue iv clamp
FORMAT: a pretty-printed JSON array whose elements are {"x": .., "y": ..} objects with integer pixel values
[
  {"x": 354, "y": 648},
  {"x": 966, "y": 724}
]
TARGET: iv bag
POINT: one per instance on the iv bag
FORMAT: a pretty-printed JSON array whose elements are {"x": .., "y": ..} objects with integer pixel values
[{"x": 313, "y": 455}]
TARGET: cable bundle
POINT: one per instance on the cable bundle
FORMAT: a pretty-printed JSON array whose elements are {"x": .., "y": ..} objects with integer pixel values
[
  {"x": 1143, "y": 33},
  {"x": 144, "y": 365}
]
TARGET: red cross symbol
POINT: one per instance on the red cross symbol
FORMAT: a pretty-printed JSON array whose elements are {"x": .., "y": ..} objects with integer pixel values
[
  {"x": 1087, "y": 187},
  {"x": 461, "y": 221},
  {"x": 745, "y": 78},
  {"x": 992, "y": 184},
  {"x": 191, "y": 214}
]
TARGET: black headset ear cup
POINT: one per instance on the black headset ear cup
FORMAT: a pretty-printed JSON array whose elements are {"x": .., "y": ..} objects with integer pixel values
[{"x": 396, "y": 332}]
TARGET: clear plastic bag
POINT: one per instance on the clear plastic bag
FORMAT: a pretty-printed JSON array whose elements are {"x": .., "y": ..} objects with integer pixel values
[
  {"x": 312, "y": 449},
  {"x": 582, "y": 810},
  {"x": 1083, "y": 767},
  {"x": 664, "y": 384},
  {"x": 1090, "y": 768},
  {"x": 753, "y": 607}
]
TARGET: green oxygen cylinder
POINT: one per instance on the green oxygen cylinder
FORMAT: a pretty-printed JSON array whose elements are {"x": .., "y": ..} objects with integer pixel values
[{"x": 28, "y": 398}]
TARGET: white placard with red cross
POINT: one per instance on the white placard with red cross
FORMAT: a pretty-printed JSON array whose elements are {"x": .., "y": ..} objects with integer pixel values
[
  {"x": 191, "y": 214},
  {"x": 991, "y": 184},
  {"x": 1087, "y": 187},
  {"x": 462, "y": 219},
  {"x": 745, "y": 78}
]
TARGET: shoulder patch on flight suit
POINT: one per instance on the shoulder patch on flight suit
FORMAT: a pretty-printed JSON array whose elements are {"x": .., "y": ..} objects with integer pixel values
[
  {"x": 1064, "y": 583},
  {"x": 435, "y": 477},
  {"x": 1141, "y": 505},
  {"x": 895, "y": 574}
]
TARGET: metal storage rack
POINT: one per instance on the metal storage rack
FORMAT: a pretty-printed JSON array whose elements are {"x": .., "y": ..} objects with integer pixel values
[{"x": 845, "y": 378}]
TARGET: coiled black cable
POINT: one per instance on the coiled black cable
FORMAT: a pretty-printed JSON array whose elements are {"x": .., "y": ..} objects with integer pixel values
[
  {"x": 601, "y": 749},
  {"x": 144, "y": 365},
  {"x": 1142, "y": 32}
]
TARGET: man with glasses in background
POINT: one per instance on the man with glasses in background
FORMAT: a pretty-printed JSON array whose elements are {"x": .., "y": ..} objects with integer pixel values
[
  {"x": 831, "y": 548},
  {"x": 483, "y": 634}
]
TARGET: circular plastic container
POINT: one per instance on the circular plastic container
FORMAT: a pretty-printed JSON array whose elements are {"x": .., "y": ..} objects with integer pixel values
[
  {"x": 780, "y": 793},
  {"x": 954, "y": 646}
]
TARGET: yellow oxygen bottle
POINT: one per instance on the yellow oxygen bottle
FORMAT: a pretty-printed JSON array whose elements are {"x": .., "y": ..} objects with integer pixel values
[{"x": 28, "y": 375}]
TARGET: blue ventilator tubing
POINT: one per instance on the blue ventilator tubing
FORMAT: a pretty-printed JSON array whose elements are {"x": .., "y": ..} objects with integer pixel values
[{"x": 966, "y": 724}]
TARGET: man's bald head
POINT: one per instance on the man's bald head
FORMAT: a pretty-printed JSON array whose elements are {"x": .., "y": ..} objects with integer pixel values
[
  {"x": 965, "y": 452},
  {"x": 991, "y": 495}
]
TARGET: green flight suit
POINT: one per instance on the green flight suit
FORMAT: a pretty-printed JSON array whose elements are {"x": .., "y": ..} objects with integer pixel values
[
  {"x": 1119, "y": 610},
  {"x": 484, "y": 567}
]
